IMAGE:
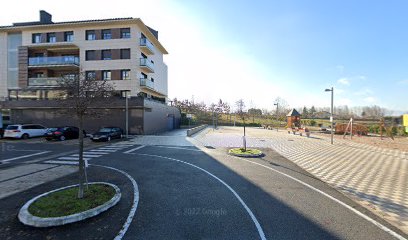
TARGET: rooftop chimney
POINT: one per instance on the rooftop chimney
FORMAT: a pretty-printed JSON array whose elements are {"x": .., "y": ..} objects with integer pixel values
[{"x": 45, "y": 18}]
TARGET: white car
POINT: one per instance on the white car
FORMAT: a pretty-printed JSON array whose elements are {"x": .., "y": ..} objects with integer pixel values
[{"x": 24, "y": 131}]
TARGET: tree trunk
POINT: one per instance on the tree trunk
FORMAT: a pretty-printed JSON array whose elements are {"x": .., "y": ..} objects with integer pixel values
[{"x": 82, "y": 170}]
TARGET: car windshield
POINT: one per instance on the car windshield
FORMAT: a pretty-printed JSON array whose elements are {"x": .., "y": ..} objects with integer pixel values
[
  {"x": 53, "y": 129},
  {"x": 105, "y": 130},
  {"x": 12, "y": 127}
]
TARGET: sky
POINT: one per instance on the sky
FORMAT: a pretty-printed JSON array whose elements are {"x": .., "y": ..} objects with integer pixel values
[{"x": 259, "y": 50}]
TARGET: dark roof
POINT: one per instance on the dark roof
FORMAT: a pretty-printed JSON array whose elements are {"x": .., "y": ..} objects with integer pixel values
[
  {"x": 68, "y": 22},
  {"x": 292, "y": 113}
]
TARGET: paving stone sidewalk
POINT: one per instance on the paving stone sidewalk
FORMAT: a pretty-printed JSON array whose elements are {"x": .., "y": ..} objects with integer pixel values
[{"x": 376, "y": 178}]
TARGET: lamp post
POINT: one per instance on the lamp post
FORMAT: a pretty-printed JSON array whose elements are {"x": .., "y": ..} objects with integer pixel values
[
  {"x": 331, "y": 112},
  {"x": 277, "y": 117}
]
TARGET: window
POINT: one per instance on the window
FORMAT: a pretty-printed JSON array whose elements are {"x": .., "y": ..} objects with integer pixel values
[
  {"x": 90, "y": 75},
  {"x": 125, "y": 33},
  {"x": 125, "y": 53},
  {"x": 106, "y": 34},
  {"x": 37, "y": 38},
  {"x": 106, "y": 55},
  {"x": 143, "y": 75},
  {"x": 106, "y": 75},
  {"x": 152, "y": 79},
  {"x": 68, "y": 36},
  {"x": 125, "y": 74},
  {"x": 51, "y": 38},
  {"x": 90, "y": 55},
  {"x": 90, "y": 35}
]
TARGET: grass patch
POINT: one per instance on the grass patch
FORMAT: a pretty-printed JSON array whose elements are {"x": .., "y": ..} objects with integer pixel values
[
  {"x": 65, "y": 202},
  {"x": 248, "y": 151}
]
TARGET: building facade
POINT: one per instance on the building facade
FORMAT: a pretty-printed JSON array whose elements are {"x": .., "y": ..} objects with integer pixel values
[{"x": 123, "y": 51}]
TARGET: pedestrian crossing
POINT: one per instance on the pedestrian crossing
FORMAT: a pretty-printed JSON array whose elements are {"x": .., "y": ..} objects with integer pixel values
[{"x": 91, "y": 154}]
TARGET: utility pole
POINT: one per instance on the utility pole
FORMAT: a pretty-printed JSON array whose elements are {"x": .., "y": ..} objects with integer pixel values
[{"x": 127, "y": 114}]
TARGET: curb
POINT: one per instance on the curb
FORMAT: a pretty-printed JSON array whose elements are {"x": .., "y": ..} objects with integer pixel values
[
  {"x": 28, "y": 219},
  {"x": 246, "y": 155}
]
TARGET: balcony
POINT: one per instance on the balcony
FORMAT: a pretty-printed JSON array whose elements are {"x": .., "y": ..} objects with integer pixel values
[
  {"x": 146, "y": 46},
  {"x": 43, "y": 82},
  {"x": 63, "y": 61},
  {"x": 146, "y": 65},
  {"x": 144, "y": 82}
]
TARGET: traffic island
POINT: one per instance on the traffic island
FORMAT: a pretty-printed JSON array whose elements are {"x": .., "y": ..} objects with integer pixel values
[
  {"x": 61, "y": 206},
  {"x": 249, "y": 153}
]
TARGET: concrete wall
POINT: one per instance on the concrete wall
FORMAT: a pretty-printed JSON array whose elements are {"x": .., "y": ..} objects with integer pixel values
[{"x": 157, "y": 119}]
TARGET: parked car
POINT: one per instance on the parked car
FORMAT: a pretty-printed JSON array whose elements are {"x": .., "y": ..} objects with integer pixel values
[
  {"x": 62, "y": 133},
  {"x": 24, "y": 131},
  {"x": 107, "y": 134}
]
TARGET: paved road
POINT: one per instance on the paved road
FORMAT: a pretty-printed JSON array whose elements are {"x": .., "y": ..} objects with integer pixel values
[{"x": 197, "y": 193}]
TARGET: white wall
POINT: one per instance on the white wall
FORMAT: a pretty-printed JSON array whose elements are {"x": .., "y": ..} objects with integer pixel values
[{"x": 3, "y": 65}]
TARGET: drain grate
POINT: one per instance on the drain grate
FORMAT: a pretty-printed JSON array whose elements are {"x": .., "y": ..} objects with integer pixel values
[{"x": 210, "y": 147}]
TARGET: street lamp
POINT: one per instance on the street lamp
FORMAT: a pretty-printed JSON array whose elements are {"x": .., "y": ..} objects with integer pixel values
[
  {"x": 277, "y": 118},
  {"x": 331, "y": 112}
]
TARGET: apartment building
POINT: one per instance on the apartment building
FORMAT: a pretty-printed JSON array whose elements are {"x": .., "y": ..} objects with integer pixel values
[{"x": 123, "y": 51}]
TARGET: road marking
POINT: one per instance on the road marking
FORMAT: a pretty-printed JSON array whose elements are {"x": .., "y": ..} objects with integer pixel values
[
  {"x": 257, "y": 225},
  {"x": 132, "y": 212},
  {"x": 62, "y": 162},
  {"x": 188, "y": 149},
  {"x": 135, "y": 149},
  {"x": 25, "y": 156},
  {"x": 103, "y": 150},
  {"x": 96, "y": 153},
  {"x": 72, "y": 158},
  {"x": 86, "y": 155},
  {"x": 379, "y": 225}
]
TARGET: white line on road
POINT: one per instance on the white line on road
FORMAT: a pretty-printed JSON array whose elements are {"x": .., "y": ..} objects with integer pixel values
[
  {"x": 62, "y": 162},
  {"x": 86, "y": 155},
  {"x": 103, "y": 150},
  {"x": 72, "y": 158},
  {"x": 379, "y": 225},
  {"x": 96, "y": 153},
  {"x": 132, "y": 212},
  {"x": 257, "y": 225},
  {"x": 188, "y": 149},
  {"x": 25, "y": 156},
  {"x": 135, "y": 149}
]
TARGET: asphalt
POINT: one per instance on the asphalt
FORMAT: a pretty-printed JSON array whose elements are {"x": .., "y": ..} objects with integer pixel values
[{"x": 183, "y": 196}]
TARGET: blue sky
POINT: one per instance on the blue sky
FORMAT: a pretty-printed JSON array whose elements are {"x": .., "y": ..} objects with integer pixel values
[{"x": 260, "y": 50}]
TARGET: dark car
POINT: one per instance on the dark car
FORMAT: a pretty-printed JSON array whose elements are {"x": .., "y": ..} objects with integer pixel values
[
  {"x": 107, "y": 134},
  {"x": 62, "y": 133}
]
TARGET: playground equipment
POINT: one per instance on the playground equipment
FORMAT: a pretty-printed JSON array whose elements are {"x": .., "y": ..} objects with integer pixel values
[
  {"x": 351, "y": 128},
  {"x": 294, "y": 125}
]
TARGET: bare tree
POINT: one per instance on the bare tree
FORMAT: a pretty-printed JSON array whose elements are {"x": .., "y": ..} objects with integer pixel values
[{"x": 82, "y": 96}]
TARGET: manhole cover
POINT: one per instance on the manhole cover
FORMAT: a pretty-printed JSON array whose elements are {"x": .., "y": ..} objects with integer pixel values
[{"x": 210, "y": 147}]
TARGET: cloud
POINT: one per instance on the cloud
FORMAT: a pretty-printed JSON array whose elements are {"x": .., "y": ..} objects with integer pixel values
[
  {"x": 344, "y": 81},
  {"x": 369, "y": 100},
  {"x": 403, "y": 82},
  {"x": 343, "y": 101},
  {"x": 340, "y": 68},
  {"x": 364, "y": 92}
]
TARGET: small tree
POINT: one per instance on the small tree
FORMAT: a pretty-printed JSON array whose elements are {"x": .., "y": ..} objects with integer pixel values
[
  {"x": 241, "y": 113},
  {"x": 81, "y": 96}
]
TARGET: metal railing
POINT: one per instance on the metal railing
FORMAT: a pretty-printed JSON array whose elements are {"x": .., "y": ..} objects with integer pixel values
[
  {"x": 62, "y": 60},
  {"x": 145, "y": 62},
  {"x": 144, "y": 82},
  {"x": 146, "y": 43},
  {"x": 51, "y": 82}
]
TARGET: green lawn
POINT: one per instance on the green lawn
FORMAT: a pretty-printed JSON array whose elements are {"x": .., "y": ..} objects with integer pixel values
[{"x": 65, "y": 202}]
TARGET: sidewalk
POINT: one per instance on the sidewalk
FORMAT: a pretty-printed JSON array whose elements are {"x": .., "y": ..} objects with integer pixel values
[{"x": 376, "y": 178}]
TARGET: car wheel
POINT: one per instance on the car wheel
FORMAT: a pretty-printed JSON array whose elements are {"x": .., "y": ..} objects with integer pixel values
[
  {"x": 25, "y": 136},
  {"x": 62, "y": 138},
  {"x": 109, "y": 138}
]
